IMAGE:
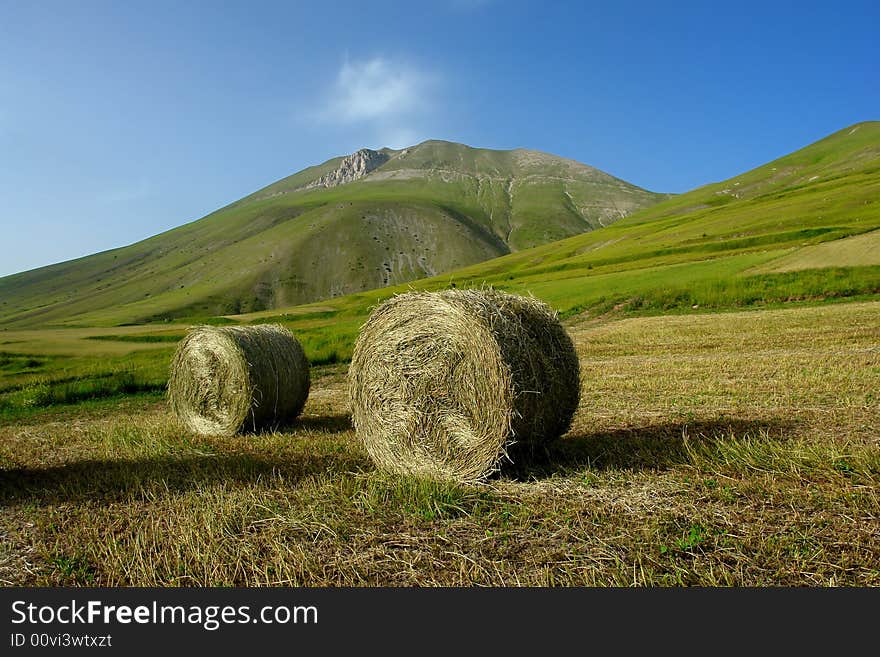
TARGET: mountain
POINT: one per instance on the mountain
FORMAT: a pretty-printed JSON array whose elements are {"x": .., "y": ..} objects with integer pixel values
[
  {"x": 366, "y": 220},
  {"x": 803, "y": 227}
]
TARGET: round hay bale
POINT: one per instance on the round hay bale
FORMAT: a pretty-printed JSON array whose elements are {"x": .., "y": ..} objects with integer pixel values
[
  {"x": 228, "y": 379},
  {"x": 443, "y": 383}
]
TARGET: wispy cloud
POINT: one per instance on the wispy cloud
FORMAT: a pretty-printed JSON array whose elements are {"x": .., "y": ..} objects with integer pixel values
[
  {"x": 376, "y": 89},
  {"x": 385, "y": 100}
]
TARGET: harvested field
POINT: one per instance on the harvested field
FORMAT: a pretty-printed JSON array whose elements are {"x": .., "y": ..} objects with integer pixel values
[{"x": 714, "y": 449}]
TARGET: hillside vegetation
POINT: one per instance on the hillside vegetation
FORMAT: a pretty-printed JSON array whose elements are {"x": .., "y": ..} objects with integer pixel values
[
  {"x": 423, "y": 210},
  {"x": 801, "y": 228}
]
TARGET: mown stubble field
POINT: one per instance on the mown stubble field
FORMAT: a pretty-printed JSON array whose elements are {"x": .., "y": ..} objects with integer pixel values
[{"x": 709, "y": 449}]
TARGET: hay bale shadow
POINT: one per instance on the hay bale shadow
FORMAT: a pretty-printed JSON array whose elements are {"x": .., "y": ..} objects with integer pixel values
[
  {"x": 336, "y": 423},
  {"x": 320, "y": 423},
  {"x": 651, "y": 447},
  {"x": 109, "y": 481}
]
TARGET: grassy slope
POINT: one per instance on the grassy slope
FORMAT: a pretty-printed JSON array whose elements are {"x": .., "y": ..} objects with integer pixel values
[
  {"x": 440, "y": 207},
  {"x": 711, "y": 247},
  {"x": 720, "y": 449},
  {"x": 693, "y": 250},
  {"x": 823, "y": 192}
]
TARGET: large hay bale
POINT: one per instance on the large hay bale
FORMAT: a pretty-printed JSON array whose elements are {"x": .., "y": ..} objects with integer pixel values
[
  {"x": 443, "y": 383},
  {"x": 224, "y": 380}
]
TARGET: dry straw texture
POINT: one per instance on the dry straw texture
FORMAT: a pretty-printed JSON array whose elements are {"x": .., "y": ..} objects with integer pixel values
[
  {"x": 443, "y": 383},
  {"x": 238, "y": 378}
]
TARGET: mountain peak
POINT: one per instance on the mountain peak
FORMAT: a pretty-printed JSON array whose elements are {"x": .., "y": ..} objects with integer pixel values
[{"x": 353, "y": 167}]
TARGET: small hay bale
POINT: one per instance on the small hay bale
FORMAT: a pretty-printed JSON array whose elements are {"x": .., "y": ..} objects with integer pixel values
[
  {"x": 443, "y": 383},
  {"x": 224, "y": 380}
]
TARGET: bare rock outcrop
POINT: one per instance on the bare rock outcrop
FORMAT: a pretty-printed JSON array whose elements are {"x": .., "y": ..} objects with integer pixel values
[{"x": 353, "y": 167}]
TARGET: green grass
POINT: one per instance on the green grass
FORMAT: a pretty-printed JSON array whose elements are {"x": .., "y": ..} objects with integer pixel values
[
  {"x": 421, "y": 498},
  {"x": 30, "y": 383},
  {"x": 746, "y": 291},
  {"x": 46, "y": 392},
  {"x": 12, "y": 363},
  {"x": 72, "y": 392},
  {"x": 146, "y": 337},
  {"x": 721, "y": 284},
  {"x": 151, "y": 364}
]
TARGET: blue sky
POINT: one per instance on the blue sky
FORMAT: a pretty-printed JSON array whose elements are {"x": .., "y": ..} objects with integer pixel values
[{"x": 119, "y": 120}]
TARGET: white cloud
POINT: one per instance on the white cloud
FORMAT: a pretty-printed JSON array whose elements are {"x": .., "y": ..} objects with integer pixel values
[
  {"x": 377, "y": 90},
  {"x": 374, "y": 90},
  {"x": 385, "y": 102}
]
